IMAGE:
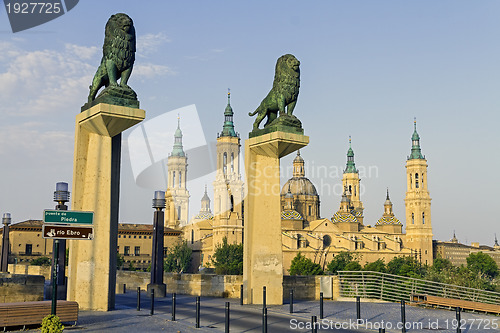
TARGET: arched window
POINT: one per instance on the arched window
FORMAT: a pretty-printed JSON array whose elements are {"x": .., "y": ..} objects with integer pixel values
[
  {"x": 327, "y": 240},
  {"x": 224, "y": 163},
  {"x": 179, "y": 212},
  {"x": 192, "y": 236},
  {"x": 416, "y": 180},
  {"x": 310, "y": 209},
  {"x": 412, "y": 218},
  {"x": 411, "y": 181},
  {"x": 173, "y": 178},
  {"x": 180, "y": 179},
  {"x": 354, "y": 190},
  {"x": 350, "y": 189},
  {"x": 231, "y": 199},
  {"x": 232, "y": 162},
  {"x": 422, "y": 180},
  {"x": 423, "y": 218},
  {"x": 298, "y": 241}
]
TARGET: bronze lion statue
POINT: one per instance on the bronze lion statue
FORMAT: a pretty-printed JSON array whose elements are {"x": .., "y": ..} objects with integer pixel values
[
  {"x": 118, "y": 54},
  {"x": 284, "y": 93}
]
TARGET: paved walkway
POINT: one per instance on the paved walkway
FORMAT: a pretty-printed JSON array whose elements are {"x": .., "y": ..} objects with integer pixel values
[{"x": 338, "y": 317}]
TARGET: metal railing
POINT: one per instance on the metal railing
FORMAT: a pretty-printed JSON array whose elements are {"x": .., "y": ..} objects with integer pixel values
[{"x": 395, "y": 288}]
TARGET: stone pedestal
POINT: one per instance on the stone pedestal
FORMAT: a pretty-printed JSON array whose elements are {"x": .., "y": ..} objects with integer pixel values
[
  {"x": 262, "y": 253},
  {"x": 96, "y": 181}
]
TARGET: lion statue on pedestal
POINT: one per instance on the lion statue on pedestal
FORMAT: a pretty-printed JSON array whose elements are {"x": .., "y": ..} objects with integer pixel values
[
  {"x": 118, "y": 55},
  {"x": 284, "y": 93}
]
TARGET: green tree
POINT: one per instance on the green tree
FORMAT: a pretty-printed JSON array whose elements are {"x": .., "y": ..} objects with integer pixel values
[
  {"x": 119, "y": 261},
  {"x": 376, "y": 266},
  {"x": 353, "y": 266},
  {"x": 482, "y": 263},
  {"x": 131, "y": 266},
  {"x": 441, "y": 264},
  {"x": 41, "y": 261},
  {"x": 228, "y": 258},
  {"x": 406, "y": 266},
  {"x": 304, "y": 266},
  {"x": 178, "y": 259},
  {"x": 340, "y": 261}
]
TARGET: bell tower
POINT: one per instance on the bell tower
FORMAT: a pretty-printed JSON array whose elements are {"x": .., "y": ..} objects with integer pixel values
[
  {"x": 228, "y": 186},
  {"x": 350, "y": 181},
  {"x": 418, "y": 203}
]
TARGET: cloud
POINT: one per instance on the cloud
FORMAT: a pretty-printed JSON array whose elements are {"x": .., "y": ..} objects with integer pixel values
[
  {"x": 149, "y": 43},
  {"x": 149, "y": 70}
]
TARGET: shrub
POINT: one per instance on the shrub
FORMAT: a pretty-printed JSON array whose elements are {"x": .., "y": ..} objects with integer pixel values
[
  {"x": 304, "y": 266},
  {"x": 41, "y": 261},
  {"x": 178, "y": 259},
  {"x": 52, "y": 324},
  {"x": 228, "y": 258}
]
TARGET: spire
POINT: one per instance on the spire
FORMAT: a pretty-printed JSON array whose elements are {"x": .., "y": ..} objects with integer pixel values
[
  {"x": 351, "y": 166},
  {"x": 205, "y": 202},
  {"x": 298, "y": 166},
  {"x": 388, "y": 205},
  {"x": 387, "y": 197},
  {"x": 416, "y": 153},
  {"x": 496, "y": 240},
  {"x": 228, "y": 128},
  {"x": 454, "y": 239},
  {"x": 178, "y": 150}
]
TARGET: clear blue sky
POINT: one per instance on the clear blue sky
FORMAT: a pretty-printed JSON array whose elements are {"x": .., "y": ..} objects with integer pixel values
[{"x": 367, "y": 68}]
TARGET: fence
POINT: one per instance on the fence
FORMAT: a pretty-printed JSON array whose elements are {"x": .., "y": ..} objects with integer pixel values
[{"x": 395, "y": 288}]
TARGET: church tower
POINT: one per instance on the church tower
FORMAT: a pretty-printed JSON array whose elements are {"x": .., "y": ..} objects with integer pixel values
[
  {"x": 418, "y": 203},
  {"x": 350, "y": 181},
  {"x": 177, "y": 177},
  {"x": 228, "y": 186}
]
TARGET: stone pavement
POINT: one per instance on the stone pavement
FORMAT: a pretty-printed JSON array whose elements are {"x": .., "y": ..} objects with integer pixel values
[{"x": 339, "y": 317}]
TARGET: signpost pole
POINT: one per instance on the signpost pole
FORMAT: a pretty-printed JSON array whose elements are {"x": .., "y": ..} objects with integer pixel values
[{"x": 54, "y": 276}]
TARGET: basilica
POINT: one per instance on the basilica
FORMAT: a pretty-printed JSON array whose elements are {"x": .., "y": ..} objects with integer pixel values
[{"x": 303, "y": 229}]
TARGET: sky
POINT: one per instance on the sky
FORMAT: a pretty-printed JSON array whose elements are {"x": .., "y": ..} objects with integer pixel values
[{"x": 367, "y": 69}]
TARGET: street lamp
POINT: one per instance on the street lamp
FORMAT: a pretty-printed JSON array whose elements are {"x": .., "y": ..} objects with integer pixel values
[
  {"x": 157, "y": 284},
  {"x": 61, "y": 196},
  {"x": 4, "y": 261}
]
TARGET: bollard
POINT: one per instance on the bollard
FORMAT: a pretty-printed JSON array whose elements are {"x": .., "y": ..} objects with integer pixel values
[
  {"x": 138, "y": 298},
  {"x": 264, "y": 297},
  {"x": 458, "y": 314},
  {"x": 124, "y": 288},
  {"x": 358, "y": 308},
  {"x": 381, "y": 330},
  {"x": 320, "y": 305},
  {"x": 313, "y": 324},
  {"x": 197, "y": 311},
  {"x": 173, "y": 306},
  {"x": 291, "y": 300},
  {"x": 264, "y": 320},
  {"x": 403, "y": 315},
  {"x": 227, "y": 318},
  {"x": 241, "y": 295},
  {"x": 152, "y": 302}
]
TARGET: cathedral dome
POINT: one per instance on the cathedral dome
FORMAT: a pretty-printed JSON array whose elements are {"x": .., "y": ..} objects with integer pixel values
[{"x": 299, "y": 186}]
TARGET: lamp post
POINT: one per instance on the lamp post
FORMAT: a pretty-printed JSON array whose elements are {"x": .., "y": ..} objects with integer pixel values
[
  {"x": 61, "y": 196},
  {"x": 4, "y": 263},
  {"x": 157, "y": 284}
]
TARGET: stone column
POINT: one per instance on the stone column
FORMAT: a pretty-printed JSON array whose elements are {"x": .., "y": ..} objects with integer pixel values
[
  {"x": 262, "y": 253},
  {"x": 96, "y": 185}
]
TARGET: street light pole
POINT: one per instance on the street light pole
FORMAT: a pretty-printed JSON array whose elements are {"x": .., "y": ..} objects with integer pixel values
[
  {"x": 157, "y": 284},
  {"x": 61, "y": 196},
  {"x": 4, "y": 263}
]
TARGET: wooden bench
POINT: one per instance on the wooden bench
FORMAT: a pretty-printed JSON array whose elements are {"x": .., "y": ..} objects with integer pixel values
[
  {"x": 453, "y": 303},
  {"x": 32, "y": 313}
]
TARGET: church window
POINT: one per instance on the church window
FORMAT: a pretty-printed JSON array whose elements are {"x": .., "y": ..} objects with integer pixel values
[
  {"x": 219, "y": 204},
  {"x": 350, "y": 190},
  {"x": 173, "y": 179},
  {"x": 423, "y": 218},
  {"x": 180, "y": 178},
  {"x": 327, "y": 240},
  {"x": 232, "y": 162},
  {"x": 354, "y": 190},
  {"x": 179, "y": 212},
  {"x": 416, "y": 180},
  {"x": 411, "y": 182},
  {"x": 224, "y": 163},
  {"x": 232, "y": 202},
  {"x": 412, "y": 218},
  {"x": 192, "y": 236},
  {"x": 310, "y": 208},
  {"x": 422, "y": 180},
  {"x": 298, "y": 241}
]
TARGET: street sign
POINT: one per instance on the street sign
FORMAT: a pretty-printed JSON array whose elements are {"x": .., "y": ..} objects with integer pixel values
[
  {"x": 68, "y": 216},
  {"x": 67, "y": 232}
]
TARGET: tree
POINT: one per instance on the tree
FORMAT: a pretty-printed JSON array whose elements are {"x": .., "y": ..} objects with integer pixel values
[
  {"x": 178, "y": 259},
  {"x": 441, "y": 264},
  {"x": 340, "y": 261},
  {"x": 482, "y": 263},
  {"x": 41, "y": 261},
  {"x": 228, "y": 258},
  {"x": 376, "y": 266},
  {"x": 353, "y": 266},
  {"x": 119, "y": 261},
  {"x": 304, "y": 266},
  {"x": 406, "y": 266}
]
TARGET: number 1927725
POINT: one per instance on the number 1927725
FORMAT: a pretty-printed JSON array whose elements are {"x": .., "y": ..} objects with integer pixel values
[{"x": 33, "y": 8}]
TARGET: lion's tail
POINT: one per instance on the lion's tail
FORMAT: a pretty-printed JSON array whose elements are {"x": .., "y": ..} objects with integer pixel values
[{"x": 251, "y": 114}]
